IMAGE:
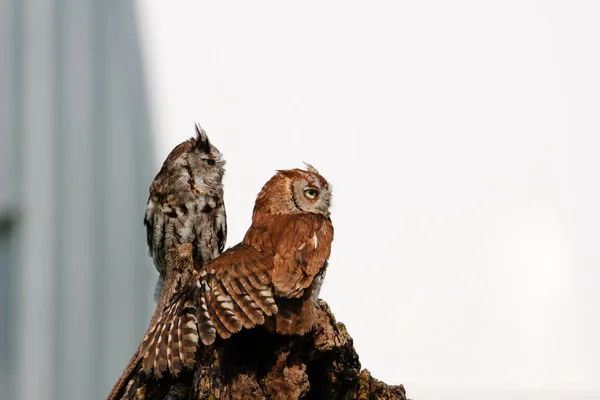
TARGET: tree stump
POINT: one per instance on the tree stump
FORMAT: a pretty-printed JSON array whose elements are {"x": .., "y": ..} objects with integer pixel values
[{"x": 258, "y": 364}]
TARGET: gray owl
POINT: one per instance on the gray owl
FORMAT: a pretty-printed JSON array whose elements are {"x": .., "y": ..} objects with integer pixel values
[{"x": 186, "y": 204}]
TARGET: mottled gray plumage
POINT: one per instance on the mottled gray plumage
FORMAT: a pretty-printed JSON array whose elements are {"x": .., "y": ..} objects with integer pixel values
[{"x": 186, "y": 204}]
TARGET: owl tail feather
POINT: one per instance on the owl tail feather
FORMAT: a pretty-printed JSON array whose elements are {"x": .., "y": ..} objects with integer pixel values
[{"x": 171, "y": 344}]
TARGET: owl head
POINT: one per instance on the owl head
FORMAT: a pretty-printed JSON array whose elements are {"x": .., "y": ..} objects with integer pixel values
[
  {"x": 194, "y": 160},
  {"x": 294, "y": 191}
]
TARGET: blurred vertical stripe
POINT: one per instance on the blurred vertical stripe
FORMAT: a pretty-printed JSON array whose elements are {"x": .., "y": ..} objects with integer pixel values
[{"x": 76, "y": 162}]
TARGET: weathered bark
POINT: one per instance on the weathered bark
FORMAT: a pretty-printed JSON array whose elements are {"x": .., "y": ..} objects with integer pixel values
[{"x": 258, "y": 364}]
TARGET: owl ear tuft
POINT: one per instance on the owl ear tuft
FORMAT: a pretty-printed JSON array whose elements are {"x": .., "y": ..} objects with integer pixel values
[
  {"x": 202, "y": 142},
  {"x": 310, "y": 168}
]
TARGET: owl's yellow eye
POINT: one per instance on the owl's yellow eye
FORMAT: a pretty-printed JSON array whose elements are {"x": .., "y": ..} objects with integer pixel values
[
  {"x": 209, "y": 161},
  {"x": 311, "y": 193}
]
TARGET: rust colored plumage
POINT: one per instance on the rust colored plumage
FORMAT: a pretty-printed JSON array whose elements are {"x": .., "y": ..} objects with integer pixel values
[{"x": 271, "y": 278}]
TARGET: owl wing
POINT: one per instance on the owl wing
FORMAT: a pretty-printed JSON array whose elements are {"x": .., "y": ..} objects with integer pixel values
[
  {"x": 302, "y": 247},
  {"x": 161, "y": 186},
  {"x": 231, "y": 292}
]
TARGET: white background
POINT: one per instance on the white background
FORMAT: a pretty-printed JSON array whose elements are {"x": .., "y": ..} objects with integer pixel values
[{"x": 462, "y": 141}]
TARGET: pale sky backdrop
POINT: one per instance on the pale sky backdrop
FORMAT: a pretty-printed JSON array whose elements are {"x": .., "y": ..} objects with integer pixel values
[{"x": 461, "y": 139}]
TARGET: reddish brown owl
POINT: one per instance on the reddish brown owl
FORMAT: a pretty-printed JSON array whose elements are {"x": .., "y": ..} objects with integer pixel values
[{"x": 273, "y": 277}]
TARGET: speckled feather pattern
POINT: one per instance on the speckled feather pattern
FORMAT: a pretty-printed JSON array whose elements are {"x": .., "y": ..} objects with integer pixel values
[{"x": 186, "y": 204}]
